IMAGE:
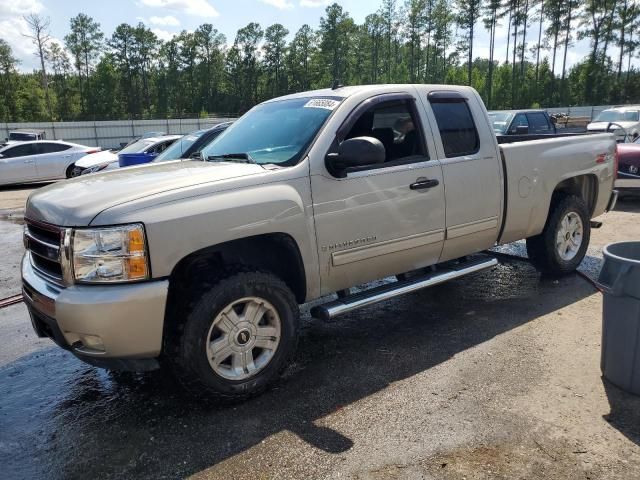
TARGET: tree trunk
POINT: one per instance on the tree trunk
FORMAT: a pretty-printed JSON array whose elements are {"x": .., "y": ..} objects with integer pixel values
[
  {"x": 538, "y": 49},
  {"x": 506, "y": 60},
  {"x": 566, "y": 48}
]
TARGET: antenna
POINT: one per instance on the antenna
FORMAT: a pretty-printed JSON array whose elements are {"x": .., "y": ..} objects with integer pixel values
[{"x": 336, "y": 84}]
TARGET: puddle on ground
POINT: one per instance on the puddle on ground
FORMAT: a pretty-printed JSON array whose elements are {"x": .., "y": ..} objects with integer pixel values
[{"x": 12, "y": 218}]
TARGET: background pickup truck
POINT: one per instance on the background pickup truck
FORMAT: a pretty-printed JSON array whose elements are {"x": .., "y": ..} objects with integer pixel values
[
  {"x": 522, "y": 122},
  {"x": 201, "y": 265}
]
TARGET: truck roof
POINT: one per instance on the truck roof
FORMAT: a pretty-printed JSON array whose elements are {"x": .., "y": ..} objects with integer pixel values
[
  {"x": 347, "y": 91},
  {"x": 623, "y": 108},
  {"x": 25, "y": 130}
]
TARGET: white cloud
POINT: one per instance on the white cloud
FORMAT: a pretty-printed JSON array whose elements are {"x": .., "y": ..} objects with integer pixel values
[
  {"x": 314, "y": 3},
  {"x": 168, "y": 21},
  {"x": 199, "y": 8},
  {"x": 163, "y": 35},
  {"x": 280, "y": 4},
  {"x": 21, "y": 7}
]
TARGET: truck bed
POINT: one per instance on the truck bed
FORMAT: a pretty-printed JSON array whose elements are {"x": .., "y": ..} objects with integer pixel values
[{"x": 534, "y": 167}]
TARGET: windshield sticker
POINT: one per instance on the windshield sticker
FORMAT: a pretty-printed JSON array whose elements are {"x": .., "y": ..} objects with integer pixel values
[{"x": 327, "y": 103}]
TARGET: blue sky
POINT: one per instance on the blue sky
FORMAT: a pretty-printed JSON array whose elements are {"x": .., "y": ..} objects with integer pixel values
[{"x": 168, "y": 17}]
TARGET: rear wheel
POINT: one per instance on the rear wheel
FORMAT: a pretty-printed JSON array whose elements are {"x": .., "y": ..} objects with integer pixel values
[
  {"x": 563, "y": 243},
  {"x": 237, "y": 337}
]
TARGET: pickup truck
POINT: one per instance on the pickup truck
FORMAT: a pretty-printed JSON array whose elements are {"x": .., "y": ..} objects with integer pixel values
[
  {"x": 25, "y": 136},
  {"x": 200, "y": 266},
  {"x": 522, "y": 122}
]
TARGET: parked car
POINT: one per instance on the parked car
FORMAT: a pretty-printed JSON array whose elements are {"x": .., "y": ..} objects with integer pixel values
[
  {"x": 202, "y": 264},
  {"x": 39, "y": 160},
  {"x": 623, "y": 121},
  {"x": 147, "y": 148},
  {"x": 628, "y": 181},
  {"x": 522, "y": 122},
  {"x": 144, "y": 135},
  {"x": 25, "y": 135},
  {"x": 192, "y": 143}
]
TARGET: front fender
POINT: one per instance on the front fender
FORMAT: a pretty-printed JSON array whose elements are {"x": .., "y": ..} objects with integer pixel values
[{"x": 180, "y": 227}]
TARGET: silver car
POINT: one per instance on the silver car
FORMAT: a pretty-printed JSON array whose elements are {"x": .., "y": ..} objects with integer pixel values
[{"x": 39, "y": 160}]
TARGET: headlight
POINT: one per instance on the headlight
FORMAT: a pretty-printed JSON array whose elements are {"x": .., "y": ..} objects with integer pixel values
[
  {"x": 95, "y": 168},
  {"x": 113, "y": 254}
]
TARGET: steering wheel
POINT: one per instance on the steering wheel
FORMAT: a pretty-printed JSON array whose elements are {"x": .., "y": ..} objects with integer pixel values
[{"x": 626, "y": 134}]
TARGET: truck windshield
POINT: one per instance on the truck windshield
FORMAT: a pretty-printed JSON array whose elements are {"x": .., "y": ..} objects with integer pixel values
[
  {"x": 617, "y": 116},
  {"x": 137, "y": 147},
  {"x": 22, "y": 137},
  {"x": 276, "y": 132},
  {"x": 177, "y": 148},
  {"x": 500, "y": 121}
]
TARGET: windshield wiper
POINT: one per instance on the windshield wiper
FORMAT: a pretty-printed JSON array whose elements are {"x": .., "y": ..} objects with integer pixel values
[{"x": 243, "y": 156}]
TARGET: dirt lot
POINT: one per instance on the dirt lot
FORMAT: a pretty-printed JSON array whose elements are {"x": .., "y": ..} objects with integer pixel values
[{"x": 492, "y": 376}]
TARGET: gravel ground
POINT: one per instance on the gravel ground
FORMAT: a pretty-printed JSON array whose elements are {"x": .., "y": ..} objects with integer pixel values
[{"x": 492, "y": 376}]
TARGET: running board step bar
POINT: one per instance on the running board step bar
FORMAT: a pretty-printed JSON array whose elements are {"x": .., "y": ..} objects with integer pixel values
[{"x": 330, "y": 310}]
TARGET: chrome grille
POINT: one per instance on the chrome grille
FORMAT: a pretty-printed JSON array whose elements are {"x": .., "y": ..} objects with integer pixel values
[{"x": 43, "y": 242}]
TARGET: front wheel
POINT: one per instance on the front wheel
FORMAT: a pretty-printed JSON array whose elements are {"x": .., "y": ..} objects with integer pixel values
[
  {"x": 563, "y": 243},
  {"x": 238, "y": 336},
  {"x": 69, "y": 173}
]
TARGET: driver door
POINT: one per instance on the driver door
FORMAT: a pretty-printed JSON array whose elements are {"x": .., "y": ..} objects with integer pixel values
[{"x": 381, "y": 220}]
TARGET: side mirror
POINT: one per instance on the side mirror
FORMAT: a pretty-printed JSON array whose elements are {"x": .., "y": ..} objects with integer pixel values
[
  {"x": 196, "y": 156},
  {"x": 522, "y": 130},
  {"x": 356, "y": 152}
]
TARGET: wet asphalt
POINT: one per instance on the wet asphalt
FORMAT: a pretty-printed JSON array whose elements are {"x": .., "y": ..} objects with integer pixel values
[{"x": 408, "y": 378}]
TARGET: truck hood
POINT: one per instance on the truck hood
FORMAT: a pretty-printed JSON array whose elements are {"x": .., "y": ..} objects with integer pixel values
[
  {"x": 603, "y": 125},
  {"x": 77, "y": 201}
]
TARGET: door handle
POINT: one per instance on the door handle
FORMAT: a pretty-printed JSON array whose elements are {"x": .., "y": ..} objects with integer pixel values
[
  {"x": 423, "y": 183},
  {"x": 28, "y": 161}
]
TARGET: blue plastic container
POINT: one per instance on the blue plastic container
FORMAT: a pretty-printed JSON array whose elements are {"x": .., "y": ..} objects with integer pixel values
[{"x": 129, "y": 159}]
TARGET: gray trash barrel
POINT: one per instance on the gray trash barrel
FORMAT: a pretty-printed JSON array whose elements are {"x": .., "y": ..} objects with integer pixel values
[{"x": 620, "y": 283}]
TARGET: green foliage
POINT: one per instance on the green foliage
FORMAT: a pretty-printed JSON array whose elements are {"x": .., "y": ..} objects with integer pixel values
[{"x": 133, "y": 74}]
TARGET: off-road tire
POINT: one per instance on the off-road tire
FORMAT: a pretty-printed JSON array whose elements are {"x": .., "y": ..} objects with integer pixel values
[
  {"x": 187, "y": 354},
  {"x": 542, "y": 250}
]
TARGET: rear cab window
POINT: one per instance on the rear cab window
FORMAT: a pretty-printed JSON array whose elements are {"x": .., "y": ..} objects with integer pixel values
[
  {"x": 538, "y": 123},
  {"x": 455, "y": 123}
]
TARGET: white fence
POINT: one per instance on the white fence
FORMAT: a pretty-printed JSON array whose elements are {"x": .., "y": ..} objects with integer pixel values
[
  {"x": 111, "y": 134},
  {"x": 590, "y": 112}
]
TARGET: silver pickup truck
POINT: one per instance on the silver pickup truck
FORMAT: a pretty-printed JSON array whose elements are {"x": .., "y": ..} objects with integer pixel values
[{"x": 200, "y": 266}]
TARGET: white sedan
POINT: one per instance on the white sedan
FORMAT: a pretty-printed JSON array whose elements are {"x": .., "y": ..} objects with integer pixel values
[{"x": 39, "y": 160}]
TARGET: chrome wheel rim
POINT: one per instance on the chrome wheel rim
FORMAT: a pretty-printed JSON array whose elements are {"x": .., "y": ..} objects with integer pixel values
[
  {"x": 243, "y": 338},
  {"x": 569, "y": 237}
]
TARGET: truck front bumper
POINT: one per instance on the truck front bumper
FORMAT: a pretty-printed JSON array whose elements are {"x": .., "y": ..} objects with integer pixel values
[{"x": 111, "y": 326}]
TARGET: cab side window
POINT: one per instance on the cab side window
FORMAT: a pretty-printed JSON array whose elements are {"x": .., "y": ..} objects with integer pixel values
[
  {"x": 394, "y": 124},
  {"x": 161, "y": 147},
  {"x": 457, "y": 128},
  {"x": 519, "y": 121}
]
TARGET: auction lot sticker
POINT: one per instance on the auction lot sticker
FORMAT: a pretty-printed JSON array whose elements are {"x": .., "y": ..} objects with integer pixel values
[{"x": 327, "y": 103}]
